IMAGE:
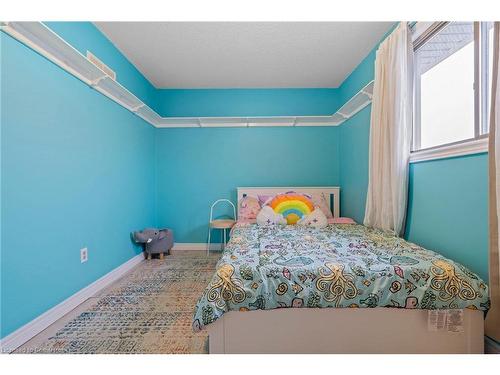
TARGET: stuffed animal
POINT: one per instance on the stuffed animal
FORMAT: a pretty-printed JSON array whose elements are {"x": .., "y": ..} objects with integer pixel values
[
  {"x": 249, "y": 208},
  {"x": 155, "y": 241},
  {"x": 267, "y": 216}
]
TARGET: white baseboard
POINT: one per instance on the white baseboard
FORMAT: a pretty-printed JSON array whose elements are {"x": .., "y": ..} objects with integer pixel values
[
  {"x": 196, "y": 246},
  {"x": 28, "y": 331}
]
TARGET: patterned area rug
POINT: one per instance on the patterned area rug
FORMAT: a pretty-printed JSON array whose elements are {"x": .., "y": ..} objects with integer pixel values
[{"x": 148, "y": 311}]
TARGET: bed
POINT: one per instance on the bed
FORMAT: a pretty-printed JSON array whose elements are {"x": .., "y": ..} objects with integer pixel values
[{"x": 340, "y": 289}]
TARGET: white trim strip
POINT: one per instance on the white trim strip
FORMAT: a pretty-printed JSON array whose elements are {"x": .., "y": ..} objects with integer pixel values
[
  {"x": 475, "y": 146},
  {"x": 43, "y": 40},
  {"x": 28, "y": 331},
  {"x": 195, "y": 246}
]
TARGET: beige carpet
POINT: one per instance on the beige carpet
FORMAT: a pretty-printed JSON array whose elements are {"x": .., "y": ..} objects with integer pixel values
[{"x": 150, "y": 310}]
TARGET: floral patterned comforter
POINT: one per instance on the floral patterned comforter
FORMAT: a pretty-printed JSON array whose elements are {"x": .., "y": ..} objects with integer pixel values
[{"x": 342, "y": 265}]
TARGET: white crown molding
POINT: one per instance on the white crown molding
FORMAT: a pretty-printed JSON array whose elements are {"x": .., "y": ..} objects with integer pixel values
[
  {"x": 474, "y": 146},
  {"x": 47, "y": 43},
  {"x": 17, "y": 338}
]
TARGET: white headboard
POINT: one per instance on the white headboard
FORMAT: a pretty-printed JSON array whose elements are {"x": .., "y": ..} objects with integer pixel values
[{"x": 332, "y": 192}]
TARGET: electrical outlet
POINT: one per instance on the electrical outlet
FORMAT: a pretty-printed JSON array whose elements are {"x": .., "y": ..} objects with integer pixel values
[{"x": 84, "y": 255}]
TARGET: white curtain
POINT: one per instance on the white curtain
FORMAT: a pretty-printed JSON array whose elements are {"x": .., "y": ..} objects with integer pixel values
[
  {"x": 493, "y": 317},
  {"x": 390, "y": 133}
]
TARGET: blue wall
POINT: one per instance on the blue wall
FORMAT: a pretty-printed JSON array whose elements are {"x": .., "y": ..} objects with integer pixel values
[
  {"x": 248, "y": 102},
  {"x": 355, "y": 136},
  {"x": 448, "y": 199},
  {"x": 77, "y": 170},
  {"x": 201, "y": 165},
  {"x": 354, "y": 165},
  {"x": 198, "y": 166},
  {"x": 448, "y": 209}
]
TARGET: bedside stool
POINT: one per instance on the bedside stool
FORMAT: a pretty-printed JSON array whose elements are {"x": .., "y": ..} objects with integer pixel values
[{"x": 221, "y": 224}]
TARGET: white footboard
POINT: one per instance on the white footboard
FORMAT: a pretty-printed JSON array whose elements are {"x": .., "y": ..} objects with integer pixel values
[{"x": 378, "y": 330}]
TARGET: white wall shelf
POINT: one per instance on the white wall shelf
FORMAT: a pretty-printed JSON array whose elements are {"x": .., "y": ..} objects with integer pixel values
[
  {"x": 270, "y": 121},
  {"x": 357, "y": 102},
  {"x": 43, "y": 40}
]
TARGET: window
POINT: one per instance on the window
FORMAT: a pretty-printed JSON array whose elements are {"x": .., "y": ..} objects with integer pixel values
[{"x": 452, "y": 85}]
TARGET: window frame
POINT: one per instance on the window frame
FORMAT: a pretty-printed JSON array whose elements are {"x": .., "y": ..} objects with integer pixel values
[{"x": 477, "y": 144}]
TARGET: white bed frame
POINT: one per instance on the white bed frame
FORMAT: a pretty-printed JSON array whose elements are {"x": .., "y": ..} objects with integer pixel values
[{"x": 341, "y": 330}]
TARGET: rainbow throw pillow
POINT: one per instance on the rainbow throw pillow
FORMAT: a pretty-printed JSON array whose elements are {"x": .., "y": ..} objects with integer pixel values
[{"x": 292, "y": 206}]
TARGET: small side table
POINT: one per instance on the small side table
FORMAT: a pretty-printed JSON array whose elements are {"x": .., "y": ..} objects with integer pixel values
[{"x": 221, "y": 224}]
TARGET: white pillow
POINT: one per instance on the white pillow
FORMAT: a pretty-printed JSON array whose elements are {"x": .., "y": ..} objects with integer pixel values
[
  {"x": 316, "y": 219},
  {"x": 321, "y": 201},
  {"x": 267, "y": 216}
]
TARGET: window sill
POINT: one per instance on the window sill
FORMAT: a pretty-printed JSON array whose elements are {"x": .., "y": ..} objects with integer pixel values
[{"x": 475, "y": 146}]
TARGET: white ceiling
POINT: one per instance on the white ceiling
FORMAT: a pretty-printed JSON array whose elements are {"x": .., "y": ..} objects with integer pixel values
[{"x": 245, "y": 54}]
